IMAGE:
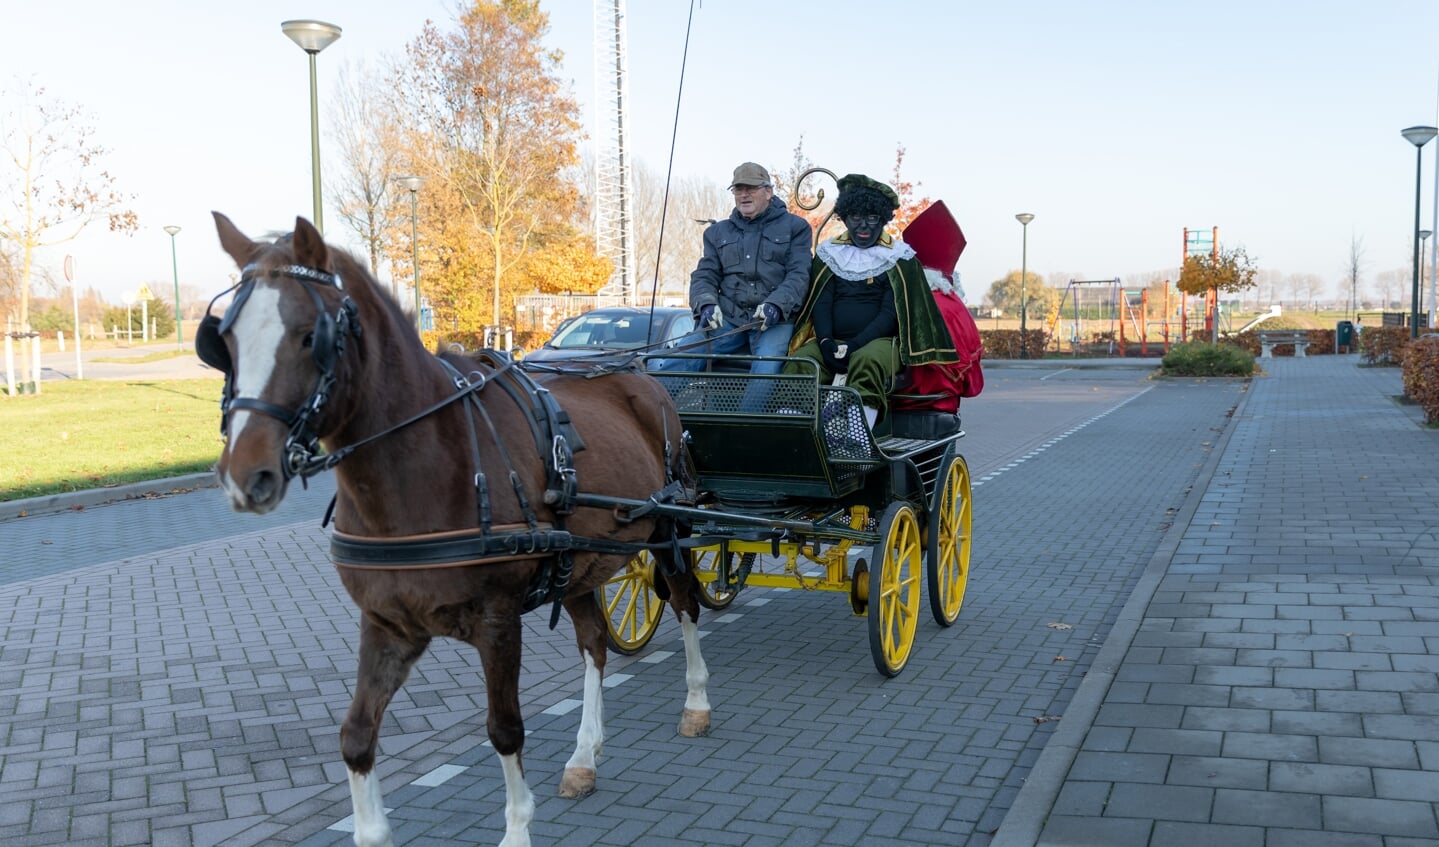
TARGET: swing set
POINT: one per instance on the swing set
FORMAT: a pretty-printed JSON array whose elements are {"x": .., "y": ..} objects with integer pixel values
[{"x": 1102, "y": 318}]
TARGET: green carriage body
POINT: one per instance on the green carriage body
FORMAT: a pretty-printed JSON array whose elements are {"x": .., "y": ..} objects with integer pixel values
[{"x": 787, "y": 472}]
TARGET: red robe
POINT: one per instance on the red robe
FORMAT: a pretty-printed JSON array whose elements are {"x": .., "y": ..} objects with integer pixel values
[{"x": 964, "y": 378}]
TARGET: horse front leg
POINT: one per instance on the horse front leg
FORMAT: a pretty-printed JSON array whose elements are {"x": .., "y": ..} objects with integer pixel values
[
  {"x": 684, "y": 599},
  {"x": 385, "y": 662},
  {"x": 589, "y": 622},
  {"x": 499, "y": 642}
]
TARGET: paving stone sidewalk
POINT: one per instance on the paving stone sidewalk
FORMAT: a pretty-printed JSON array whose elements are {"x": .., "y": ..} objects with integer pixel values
[
  {"x": 190, "y": 694},
  {"x": 1274, "y": 679}
]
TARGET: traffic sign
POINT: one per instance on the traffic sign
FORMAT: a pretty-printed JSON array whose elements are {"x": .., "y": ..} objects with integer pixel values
[{"x": 144, "y": 293}]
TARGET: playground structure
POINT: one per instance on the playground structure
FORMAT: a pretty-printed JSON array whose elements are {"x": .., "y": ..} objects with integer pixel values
[{"x": 1100, "y": 317}]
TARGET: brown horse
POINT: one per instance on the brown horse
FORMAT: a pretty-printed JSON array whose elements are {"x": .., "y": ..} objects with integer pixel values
[{"x": 458, "y": 504}]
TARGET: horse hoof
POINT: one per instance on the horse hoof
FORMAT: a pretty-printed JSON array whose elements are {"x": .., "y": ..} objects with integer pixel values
[
  {"x": 694, "y": 723},
  {"x": 577, "y": 783}
]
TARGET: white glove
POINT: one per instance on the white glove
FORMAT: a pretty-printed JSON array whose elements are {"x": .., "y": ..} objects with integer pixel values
[
  {"x": 711, "y": 317},
  {"x": 768, "y": 316},
  {"x": 840, "y": 350}
]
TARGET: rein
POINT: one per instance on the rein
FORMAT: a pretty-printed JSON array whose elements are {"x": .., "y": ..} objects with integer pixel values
[{"x": 555, "y": 438}]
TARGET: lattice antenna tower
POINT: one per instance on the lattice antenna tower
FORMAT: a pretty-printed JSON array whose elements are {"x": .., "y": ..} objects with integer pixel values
[{"x": 614, "y": 218}]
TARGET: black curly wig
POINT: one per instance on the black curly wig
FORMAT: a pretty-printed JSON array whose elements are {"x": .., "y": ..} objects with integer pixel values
[{"x": 863, "y": 201}]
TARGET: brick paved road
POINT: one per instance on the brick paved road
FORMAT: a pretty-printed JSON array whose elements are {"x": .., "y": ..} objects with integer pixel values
[
  {"x": 189, "y": 693},
  {"x": 1275, "y": 680}
]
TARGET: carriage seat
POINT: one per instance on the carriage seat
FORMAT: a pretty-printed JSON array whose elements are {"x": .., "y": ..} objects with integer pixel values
[{"x": 913, "y": 415}]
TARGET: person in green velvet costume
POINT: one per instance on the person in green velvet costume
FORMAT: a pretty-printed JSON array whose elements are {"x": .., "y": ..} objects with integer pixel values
[{"x": 869, "y": 311}]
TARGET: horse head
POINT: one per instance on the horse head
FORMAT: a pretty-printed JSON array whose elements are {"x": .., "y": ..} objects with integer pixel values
[{"x": 290, "y": 333}]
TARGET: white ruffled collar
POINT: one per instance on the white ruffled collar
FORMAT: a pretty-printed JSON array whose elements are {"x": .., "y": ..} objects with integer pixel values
[{"x": 856, "y": 264}]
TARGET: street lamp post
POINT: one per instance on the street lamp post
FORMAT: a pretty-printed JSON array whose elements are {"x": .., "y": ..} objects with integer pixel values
[
  {"x": 313, "y": 36},
  {"x": 175, "y": 271},
  {"x": 1423, "y": 237},
  {"x": 1418, "y": 136},
  {"x": 413, "y": 183},
  {"x": 1024, "y": 218}
]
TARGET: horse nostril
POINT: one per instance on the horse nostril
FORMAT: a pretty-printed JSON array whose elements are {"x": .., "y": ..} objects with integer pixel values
[{"x": 263, "y": 486}]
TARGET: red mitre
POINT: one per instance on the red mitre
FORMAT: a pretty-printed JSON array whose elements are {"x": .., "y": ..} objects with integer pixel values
[{"x": 936, "y": 238}]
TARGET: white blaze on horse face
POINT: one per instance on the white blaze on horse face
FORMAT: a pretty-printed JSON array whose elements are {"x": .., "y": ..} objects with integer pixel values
[{"x": 258, "y": 331}]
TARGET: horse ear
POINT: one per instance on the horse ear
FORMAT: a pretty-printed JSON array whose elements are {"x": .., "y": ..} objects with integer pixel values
[
  {"x": 309, "y": 246},
  {"x": 235, "y": 243}
]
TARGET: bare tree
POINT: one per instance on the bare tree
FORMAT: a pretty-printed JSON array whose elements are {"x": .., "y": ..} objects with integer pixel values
[
  {"x": 367, "y": 141},
  {"x": 1392, "y": 284},
  {"x": 57, "y": 185},
  {"x": 1294, "y": 285},
  {"x": 693, "y": 204},
  {"x": 1312, "y": 286},
  {"x": 1352, "y": 269}
]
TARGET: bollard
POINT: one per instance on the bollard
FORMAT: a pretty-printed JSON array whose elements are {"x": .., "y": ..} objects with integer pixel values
[
  {"x": 10, "y": 365},
  {"x": 35, "y": 370}
]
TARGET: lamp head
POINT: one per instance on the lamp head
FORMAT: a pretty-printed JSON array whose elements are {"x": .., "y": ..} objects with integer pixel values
[
  {"x": 1024, "y": 218},
  {"x": 312, "y": 36},
  {"x": 1419, "y": 135},
  {"x": 173, "y": 230},
  {"x": 413, "y": 183},
  {"x": 1424, "y": 234}
]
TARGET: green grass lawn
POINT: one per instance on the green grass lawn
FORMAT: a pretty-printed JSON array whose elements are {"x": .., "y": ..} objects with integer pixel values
[{"x": 85, "y": 434}]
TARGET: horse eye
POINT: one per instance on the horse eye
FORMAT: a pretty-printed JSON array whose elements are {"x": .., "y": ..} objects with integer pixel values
[{"x": 309, "y": 340}]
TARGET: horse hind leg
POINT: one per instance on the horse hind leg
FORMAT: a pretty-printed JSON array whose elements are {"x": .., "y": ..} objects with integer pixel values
[
  {"x": 684, "y": 599},
  {"x": 385, "y": 661},
  {"x": 589, "y": 621}
]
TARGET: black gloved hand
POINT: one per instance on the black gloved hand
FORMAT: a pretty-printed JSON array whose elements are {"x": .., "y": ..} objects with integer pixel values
[
  {"x": 834, "y": 355},
  {"x": 769, "y": 315},
  {"x": 710, "y": 317}
]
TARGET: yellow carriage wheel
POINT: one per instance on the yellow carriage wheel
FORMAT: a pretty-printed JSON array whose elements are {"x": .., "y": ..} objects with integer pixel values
[
  {"x": 706, "y": 561},
  {"x": 894, "y": 589},
  {"x": 632, "y": 608},
  {"x": 951, "y": 520}
]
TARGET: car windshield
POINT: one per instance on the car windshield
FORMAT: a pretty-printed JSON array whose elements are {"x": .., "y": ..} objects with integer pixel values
[{"x": 613, "y": 332}]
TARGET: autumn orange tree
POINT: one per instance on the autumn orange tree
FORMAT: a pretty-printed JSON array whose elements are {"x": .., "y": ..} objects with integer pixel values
[
  {"x": 806, "y": 198},
  {"x": 909, "y": 208},
  {"x": 1227, "y": 271},
  {"x": 488, "y": 122}
]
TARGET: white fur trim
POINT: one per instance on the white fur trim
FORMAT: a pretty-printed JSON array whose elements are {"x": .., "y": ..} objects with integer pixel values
[{"x": 942, "y": 284}]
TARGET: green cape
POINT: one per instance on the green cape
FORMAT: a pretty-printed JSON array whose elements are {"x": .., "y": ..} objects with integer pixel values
[{"x": 923, "y": 337}]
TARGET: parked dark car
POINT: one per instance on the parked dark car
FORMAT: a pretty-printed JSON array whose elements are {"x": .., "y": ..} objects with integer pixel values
[{"x": 612, "y": 330}]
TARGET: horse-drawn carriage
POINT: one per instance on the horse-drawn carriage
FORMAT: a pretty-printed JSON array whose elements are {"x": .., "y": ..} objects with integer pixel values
[
  {"x": 795, "y": 491},
  {"x": 464, "y": 499}
]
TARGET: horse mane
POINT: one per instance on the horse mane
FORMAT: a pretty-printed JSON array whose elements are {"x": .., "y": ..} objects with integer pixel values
[{"x": 349, "y": 269}]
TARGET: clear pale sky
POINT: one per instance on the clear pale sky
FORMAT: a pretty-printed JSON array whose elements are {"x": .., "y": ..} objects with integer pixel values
[{"x": 1117, "y": 124}]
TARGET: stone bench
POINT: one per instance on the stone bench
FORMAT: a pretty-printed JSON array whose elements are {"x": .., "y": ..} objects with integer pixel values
[{"x": 1268, "y": 339}]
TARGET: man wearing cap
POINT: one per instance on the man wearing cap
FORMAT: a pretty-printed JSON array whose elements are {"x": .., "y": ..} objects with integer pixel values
[
  {"x": 869, "y": 309},
  {"x": 754, "y": 272}
]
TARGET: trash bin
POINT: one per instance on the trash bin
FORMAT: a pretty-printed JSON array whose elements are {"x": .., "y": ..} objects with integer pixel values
[{"x": 1344, "y": 336}]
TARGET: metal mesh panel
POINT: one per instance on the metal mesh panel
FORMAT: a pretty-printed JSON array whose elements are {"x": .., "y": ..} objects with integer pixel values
[
  {"x": 740, "y": 393},
  {"x": 846, "y": 433}
]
